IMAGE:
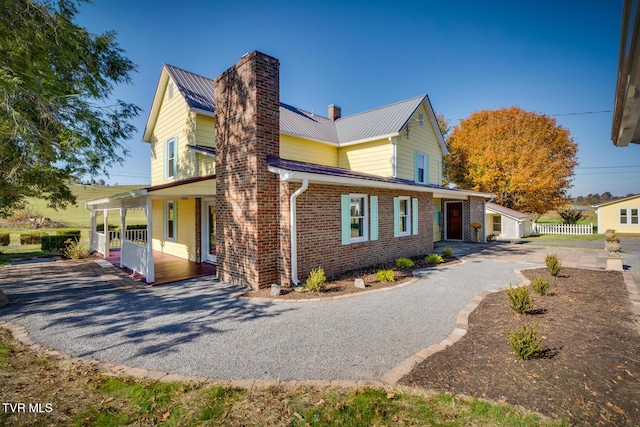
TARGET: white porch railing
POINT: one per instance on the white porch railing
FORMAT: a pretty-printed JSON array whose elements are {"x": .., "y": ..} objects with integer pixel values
[
  {"x": 566, "y": 229},
  {"x": 98, "y": 242},
  {"x": 134, "y": 256},
  {"x": 139, "y": 236}
]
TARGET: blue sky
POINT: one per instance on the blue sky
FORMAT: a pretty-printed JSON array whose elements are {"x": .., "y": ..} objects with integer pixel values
[{"x": 554, "y": 57}]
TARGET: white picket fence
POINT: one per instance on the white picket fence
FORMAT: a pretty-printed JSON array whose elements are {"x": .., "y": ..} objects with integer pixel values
[{"x": 572, "y": 229}]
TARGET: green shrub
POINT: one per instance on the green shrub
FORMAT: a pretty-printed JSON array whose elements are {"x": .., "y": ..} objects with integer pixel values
[
  {"x": 447, "y": 252},
  {"x": 519, "y": 299},
  {"x": 385, "y": 276},
  {"x": 315, "y": 280},
  {"x": 553, "y": 264},
  {"x": 57, "y": 243},
  {"x": 491, "y": 238},
  {"x": 540, "y": 285},
  {"x": 5, "y": 239},
  {"x": 75, "y": 250},
  {"x": 526, "y": 342},
  {"x": 404, "y": 263},
  {"x": 30, "y": 238},
  {"x": 112, "y": 227},
  {"x": 433, "y": 259},
  {"x": 68, "y": 232},
  {"x": 136, "y": 226}
]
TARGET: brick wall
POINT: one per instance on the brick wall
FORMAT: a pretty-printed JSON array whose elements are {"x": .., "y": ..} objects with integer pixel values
[
  {"x": 319, "y": 230},
  {"x": 476, "y": 214},
  {"x": 247, "y": 98}
]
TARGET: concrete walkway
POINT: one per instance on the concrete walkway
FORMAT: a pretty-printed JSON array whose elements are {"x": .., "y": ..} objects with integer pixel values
[{"x": 201, "y": 328}]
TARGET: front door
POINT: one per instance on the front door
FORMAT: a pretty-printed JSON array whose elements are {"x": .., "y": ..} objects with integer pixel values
[
  {"x": 209, "y": 232},
  {"x": 454, "y": 220}
]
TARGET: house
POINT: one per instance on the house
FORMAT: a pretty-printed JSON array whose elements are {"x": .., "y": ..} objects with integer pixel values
[
  {"x": 620, "y": 215},
  {"x": 505, "y": 223},
  {"x": 625, "y": 127},
  {"x": 268, "y": 191}
]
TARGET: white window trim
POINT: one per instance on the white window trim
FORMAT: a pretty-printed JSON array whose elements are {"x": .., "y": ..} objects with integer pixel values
[
  {"x": 408, "y": 215},
  {"x": 170, "y": 172},
  {"x": 629, "y": 216},
  {"x": 626, "y": 216},
  {"x": 174, "y": 229},
  {"x": 365, "y": 228},
  {"x": 425, "y": 169}
]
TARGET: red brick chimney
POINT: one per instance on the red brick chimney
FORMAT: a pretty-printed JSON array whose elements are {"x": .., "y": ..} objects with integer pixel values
[
  {"x": 335, "y": 112},
  {"x": 247, "y": 115}
]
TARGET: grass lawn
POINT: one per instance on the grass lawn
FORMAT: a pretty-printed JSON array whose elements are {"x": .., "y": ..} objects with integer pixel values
[{"x": 79, "y": 394}]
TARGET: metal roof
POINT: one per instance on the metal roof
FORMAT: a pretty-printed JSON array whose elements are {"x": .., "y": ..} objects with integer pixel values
[
  {"x": 508, "y": 212},
  {"x": 196, "y": 90},
  {"x": 299, "y": 122}
]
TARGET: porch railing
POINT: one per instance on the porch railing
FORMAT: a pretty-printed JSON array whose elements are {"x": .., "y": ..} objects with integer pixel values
[
  {"x": 134, "y": 256},
  {"x": 139, "y": 236},
  {"x": 566, "y": 229}
]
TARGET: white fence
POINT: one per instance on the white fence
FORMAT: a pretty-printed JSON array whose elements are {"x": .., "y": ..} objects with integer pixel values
[{"x": 572, "y": 229}]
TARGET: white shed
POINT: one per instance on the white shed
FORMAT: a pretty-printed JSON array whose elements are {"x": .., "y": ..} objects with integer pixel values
[{"x": 505, "y": 223}]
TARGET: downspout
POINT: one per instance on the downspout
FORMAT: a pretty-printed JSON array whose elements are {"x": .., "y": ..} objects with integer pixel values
[{"x": 294, "y": 231}]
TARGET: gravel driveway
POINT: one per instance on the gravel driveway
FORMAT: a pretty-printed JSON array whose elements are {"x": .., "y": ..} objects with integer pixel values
[{"x": 197, "y": 328}]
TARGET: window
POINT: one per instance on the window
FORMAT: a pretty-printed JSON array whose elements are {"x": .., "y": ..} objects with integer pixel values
[
  {"x": 634, "y": 216},
  {"x": 421, "y": 119},
  {"x": 170, "y": 162},
  {"x": 170, "y": 222},
  {"x": 358, "y": 218},
  {"x": 623, "y": 216},
  {"x": 497, "y": 224},
  {"x": 421, "y": 172},
  {"x": 170, "y": 90},
  {"x": 404, "y": 217}
]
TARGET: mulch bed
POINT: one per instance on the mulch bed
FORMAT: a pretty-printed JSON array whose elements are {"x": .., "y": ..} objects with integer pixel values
[
  {"x": 343, "y": 284},
  {"x": 589, "y": 372}
]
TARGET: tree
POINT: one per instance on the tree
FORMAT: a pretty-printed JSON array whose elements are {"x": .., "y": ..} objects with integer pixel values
[
  {"x": 56, "y": 119},
  {"x": 522, "y": 157},
  {"x": 443, "y": 124}
]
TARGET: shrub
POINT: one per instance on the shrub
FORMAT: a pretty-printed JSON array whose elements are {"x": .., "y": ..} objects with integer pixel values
[
  {"x": 315, "y": 280},
  {"x": 570, "y": 215},
  {"x": 519, "y": 299},
  {"x": 68, "y": 232},
  {"x": 491, "y": 238},
  {"x": 75, "y": 250},
  {"x": 553, "y": 264},
  {"x": 540, "y": 285},
  {"x": 526, "y": 342},
  {"x": 447, "y": 252},
  {"x": 385, "y": 276},
  {"x": 5, "y": 239},
  {"x": 433, "y": 259},
  {"x": 57, "y": 243},
  {"x": 404, "y": 263},
  {"x": 136, "y": 226},
  {"x": 112, "y": 227},
  {"x": 30, "y": 238}
]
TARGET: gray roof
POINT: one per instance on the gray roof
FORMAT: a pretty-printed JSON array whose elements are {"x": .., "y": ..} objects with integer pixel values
[
  {"x": 387, "y": 120},
  {"x": 197, "y": 90},
  {"x": 508, "y": 212}
]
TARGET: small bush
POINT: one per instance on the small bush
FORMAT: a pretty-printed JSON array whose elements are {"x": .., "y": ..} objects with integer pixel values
[
  {"x": 553, "y": 264},
  {"x": 68, "y": 232},
  {"x": 136, "y": 226},
  {"x": 433, "y": 259},
  {"x": 526, "y": 342},
  {"x": 315, "y": 280},
  {"x": 540, "y": 285},
  {"x": 56, "y": 243},
  {"x": 491, "y": 238},
  {"x": 519, "y": 299},
  {"x": 570, "y": 215},
  {"x": 385, "y": 276},
  {"x": 30, "y": 238},
  {"x": 447, "y": 252},
  {"x": 75, "y": 250},
  {"x": 112, "y": 227},
  {"x": 5, "y": 239},
  {"x": 404, "y": 263}
]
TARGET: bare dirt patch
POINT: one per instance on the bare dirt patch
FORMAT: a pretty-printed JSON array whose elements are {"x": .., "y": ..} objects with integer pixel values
[
  {"x": 344, "y": 284},
  {"x": 589, "y": 372}
]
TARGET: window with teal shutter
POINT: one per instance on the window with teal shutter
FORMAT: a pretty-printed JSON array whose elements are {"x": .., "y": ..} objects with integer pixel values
[
  {"x": 354, "y": 218},
  {"x": 396, "y": 217},
  {"x": 346, "y": 218},
  {"x": 373, "y": 206},
  {"x": 414, "y": 213}
]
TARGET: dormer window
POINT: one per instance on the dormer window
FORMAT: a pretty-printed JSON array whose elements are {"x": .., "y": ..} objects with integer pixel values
[{"x": 421, "y": 119}]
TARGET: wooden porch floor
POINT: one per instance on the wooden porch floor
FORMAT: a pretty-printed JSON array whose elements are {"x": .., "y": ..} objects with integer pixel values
[{"x": 168, "y": 268}]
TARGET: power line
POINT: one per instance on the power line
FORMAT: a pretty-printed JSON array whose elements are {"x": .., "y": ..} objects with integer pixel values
[
  {"x": 581, "y": 113},
  {"x": 607, "y": 167}
]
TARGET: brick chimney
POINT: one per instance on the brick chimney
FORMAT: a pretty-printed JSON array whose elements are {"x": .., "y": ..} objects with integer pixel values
[
  {"x": 335, "y": 112},
  {"x": 247, "y": 115}
]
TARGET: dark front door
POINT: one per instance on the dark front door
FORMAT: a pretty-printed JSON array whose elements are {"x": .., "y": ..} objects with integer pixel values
[{"x": 454, "y": 221}]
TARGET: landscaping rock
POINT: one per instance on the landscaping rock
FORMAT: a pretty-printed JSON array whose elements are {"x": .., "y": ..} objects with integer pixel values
[
  {"x": 359, "y": 283},
  {"x": 3, "y": 299},
  {"x": 275, "y": 290}
]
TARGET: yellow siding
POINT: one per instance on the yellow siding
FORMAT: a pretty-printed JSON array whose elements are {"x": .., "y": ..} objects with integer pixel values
[
  {"x": 423, "y": 139},
  {"x": 303, "y": 150},
  {"x": 609, "y": 217},
  {"x": 488, "y": 221},
  {"x": 371, "y": 157},
  {"x": 174, "y": 120},
  {"x": 205, "y": 131},
  {"x": 184, "y": 246}
]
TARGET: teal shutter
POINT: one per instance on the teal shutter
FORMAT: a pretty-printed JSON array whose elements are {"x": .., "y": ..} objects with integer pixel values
[
  {"x": 373, "y": 206},
  {"x": 414, "y": 216},
  {"x": 396, "y": 217},
  {"x": 416, "y": 161},
  {"x": 345, "y": 206},
  {"x": 164, "y": 220},
  {"x": 427, "y": 180}
]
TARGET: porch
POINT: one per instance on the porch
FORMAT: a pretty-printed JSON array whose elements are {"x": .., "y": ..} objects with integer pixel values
[{"x": 168, "y": 268}]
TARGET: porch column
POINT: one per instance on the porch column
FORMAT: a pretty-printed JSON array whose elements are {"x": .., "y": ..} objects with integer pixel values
[
  {"x": 107, "y": 242},
  {"x": 92, "y": 241},
  {"x": 123, "y": 217},
  {"x": 150, "y": 274}
]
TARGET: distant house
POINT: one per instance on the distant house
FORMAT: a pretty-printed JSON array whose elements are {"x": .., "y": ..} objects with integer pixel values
[
  {"x": 268, "y": 191},
  {"x": 505, "y": 223},
  {"x": 620, "y": 215},
  {"x": 625, "y": 128}
]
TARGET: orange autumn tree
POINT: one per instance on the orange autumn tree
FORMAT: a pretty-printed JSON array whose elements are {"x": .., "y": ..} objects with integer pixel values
[{"x": 526, "y": 159}]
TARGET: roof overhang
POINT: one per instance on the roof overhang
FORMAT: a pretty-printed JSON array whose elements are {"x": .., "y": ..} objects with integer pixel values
[{"x": 493, "y": 211}]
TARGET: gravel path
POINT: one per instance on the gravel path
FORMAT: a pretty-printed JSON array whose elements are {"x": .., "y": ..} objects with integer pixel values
[{"x": 197, "y": 328}]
